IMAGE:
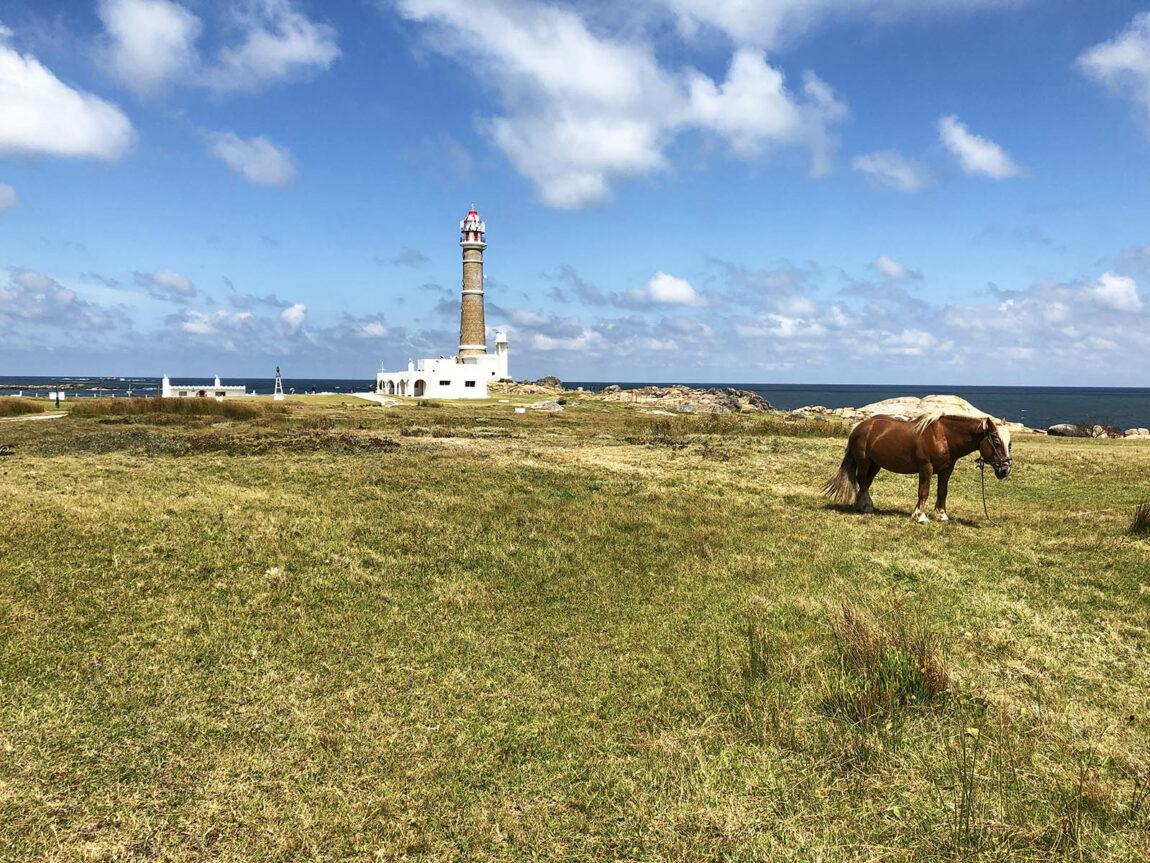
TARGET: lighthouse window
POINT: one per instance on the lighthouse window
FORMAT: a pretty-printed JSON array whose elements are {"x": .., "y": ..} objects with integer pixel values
[
  {"x": 469, "y": 383},
  {"x": 445, "y": 383}
]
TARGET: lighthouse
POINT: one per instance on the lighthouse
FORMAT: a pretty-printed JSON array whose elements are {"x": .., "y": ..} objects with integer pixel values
[
  {"x": 472, "y": 332},
  {"x": 467, "y": 374}
]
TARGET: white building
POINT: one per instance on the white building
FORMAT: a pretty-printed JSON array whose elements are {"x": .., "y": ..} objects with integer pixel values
[
  {"x": 216, "y": 390},
  {"x": 466, "y": 375}
]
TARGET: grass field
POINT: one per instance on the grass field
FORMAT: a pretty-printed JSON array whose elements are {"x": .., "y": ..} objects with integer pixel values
[{"x": 445, "y": 632}]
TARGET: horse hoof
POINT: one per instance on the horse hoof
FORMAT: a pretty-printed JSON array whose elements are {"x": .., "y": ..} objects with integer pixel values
[
  {"x": 942, "y": 516},
  {"x": 921, "y": 518}
]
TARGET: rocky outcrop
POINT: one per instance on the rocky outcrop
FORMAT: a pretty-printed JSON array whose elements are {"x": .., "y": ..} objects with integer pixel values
[
  {"x": 525, "y": 388},
  {"x": 907, "y": 407},
  {"x": 1137, "y": 434},
  {"x": 549, "y": 405},
  {"x": 684, "y": 399},
  {"x": 1067, "y": 430}
]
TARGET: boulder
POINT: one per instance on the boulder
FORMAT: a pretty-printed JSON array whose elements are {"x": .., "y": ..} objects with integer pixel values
[
  {"x": 1137, "y": 433},
  {"x": 685, "y": 399},
  {"x": 549, "y": 405},
  {"x": 1067, "y": 430},
  {"x": 613, "y": 388}
]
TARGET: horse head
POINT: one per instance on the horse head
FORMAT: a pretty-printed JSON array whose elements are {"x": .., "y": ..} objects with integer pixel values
[{"x": 995, "y": 447}]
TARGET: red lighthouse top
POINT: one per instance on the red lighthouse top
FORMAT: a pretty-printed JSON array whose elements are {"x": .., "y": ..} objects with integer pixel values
[{"x": 472, "y": 228}]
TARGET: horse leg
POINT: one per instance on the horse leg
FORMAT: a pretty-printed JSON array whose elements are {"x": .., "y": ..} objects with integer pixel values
[
  {"x": 924, "y": 473},
  {"x": 866, "y": 475},
  {"x": 940, "y": 503}
]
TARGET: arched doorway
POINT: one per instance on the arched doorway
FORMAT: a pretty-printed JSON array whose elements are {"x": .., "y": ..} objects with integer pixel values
[{"x": 420, "y": 386}]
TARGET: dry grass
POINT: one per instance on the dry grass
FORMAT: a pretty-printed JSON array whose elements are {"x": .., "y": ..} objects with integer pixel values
[
  {"x": 1140, "y": 523},
  {"x": 15, "y": 406},
  {"x": 882, "y": 663},
  {"x": 206, "y": 407},
  {"x": 525, "y": 637}
]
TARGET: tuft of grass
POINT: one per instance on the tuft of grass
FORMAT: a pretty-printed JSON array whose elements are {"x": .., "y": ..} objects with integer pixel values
[
  {"x": 429, "y": 403},
  {"x": 14, "y": 407},
  {"x": 1140, "y": 523},
  {"x": 228, "y": 409},
  {"x": 882, "y": 663},
  {"x": 319, "y": 422}
]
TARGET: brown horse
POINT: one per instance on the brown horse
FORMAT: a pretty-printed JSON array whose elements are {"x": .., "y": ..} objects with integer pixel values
[{"x": 929, "y": 445}]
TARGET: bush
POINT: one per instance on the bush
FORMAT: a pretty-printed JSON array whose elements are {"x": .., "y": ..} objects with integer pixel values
[
  {"x": 14, "y": 407},
  {"x": 228, "y": 409},
  {"x": 882, "y": 664},
  {"x": 429, "y": 403},
  {"x": 1140, "y": 524}
]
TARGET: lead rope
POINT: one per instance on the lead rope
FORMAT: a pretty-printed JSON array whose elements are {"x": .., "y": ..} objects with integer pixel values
[{"x": 982, "y": 473}]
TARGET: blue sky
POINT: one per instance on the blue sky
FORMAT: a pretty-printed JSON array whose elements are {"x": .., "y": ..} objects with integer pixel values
[{"x": 857, "y": 191}]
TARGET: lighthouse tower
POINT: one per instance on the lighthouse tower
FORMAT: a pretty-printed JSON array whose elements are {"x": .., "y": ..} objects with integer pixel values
[
  {"x": 472, "y": 333},
  {"x": 466, "y": 375}
]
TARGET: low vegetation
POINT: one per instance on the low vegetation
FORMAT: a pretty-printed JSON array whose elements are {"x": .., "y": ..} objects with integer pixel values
[
  {"x": 11, "y": 406},
  {"x": 235, "y": 409},
  {"x": 1140, "y": 523},
  {"x": 339, "y": 631}
]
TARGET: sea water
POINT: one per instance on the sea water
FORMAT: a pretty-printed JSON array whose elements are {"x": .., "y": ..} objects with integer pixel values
[{"x": 1037, "y": 407}]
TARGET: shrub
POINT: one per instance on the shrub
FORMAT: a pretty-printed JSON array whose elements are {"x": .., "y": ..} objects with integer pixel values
[
  {"x": 13, "y": 407},
  {"x": 429, "y": 403},
  {"x": 882, "y": 664},
  {"x": 229, "y": 409}
]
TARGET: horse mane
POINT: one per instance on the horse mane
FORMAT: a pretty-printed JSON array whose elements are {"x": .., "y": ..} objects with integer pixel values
[{"x": 928, "y": 419}]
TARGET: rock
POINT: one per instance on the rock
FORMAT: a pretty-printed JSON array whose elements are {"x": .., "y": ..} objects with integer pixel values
[
  {"x": 550, "y": 381},
  {"x": 684, "y": 399},
  {"x": 1067, "y": 430},
  {"x": 910, "y": 407},
  {"x": 549, "y": 405},
  {"x": 613, "y": 388},
  {"x": 1137, "y": 433}
]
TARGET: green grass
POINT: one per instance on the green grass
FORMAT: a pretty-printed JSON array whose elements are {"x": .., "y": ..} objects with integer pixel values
[{"x": 589, "y": 635}]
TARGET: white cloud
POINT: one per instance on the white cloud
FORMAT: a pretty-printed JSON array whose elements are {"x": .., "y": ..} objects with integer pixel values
[
  {"x": 889, "y": 168},
  {"x": 582, "y": 112},
  {"x": 8, "y": 197},
  {"x": 371, "y": 330},
  {"x": 165, "y": 284},
  {"x": 1123, "y": 63},
  {"x": 975, "y": 154},
  {"x": 772, "y": 23},
  {"x": 665, "y": 289},
  {"x": 527, "y": 318},
  {"x": 278, "y": 44},
  {"x": 893, "y": 269},
  {"x": 43, "y": 116},
  {"x": 585, "y": 340},
  {"x": 34, "y": 298},
  {"x": 753, "y": 108},
  {"x": 210, "y": 323},
  {"x": 256, "y": 159},
  {"x": 294, "y": 316},
  {"x": 1115, "y": 292},
  {"x": 782, "y": 327},
  {"x": 152, "y": 43},
  {"x": 149, "y": 41}
]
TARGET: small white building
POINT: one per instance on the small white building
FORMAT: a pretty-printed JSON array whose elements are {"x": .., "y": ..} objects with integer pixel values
[
  {"x": 216, "y": 390},
  {"x": 467, "y": 374}
]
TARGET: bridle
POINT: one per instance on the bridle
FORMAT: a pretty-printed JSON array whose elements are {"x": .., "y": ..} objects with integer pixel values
[{"x": 998, "y": 461}]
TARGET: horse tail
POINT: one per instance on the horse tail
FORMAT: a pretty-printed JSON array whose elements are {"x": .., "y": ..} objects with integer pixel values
[{"x": 842, "y": 487}]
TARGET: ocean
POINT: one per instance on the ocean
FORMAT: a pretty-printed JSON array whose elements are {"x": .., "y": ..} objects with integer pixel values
[{"x": 1038, "y": 407}]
